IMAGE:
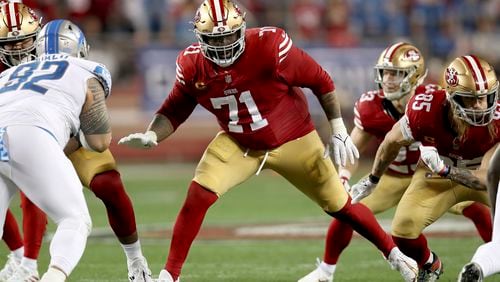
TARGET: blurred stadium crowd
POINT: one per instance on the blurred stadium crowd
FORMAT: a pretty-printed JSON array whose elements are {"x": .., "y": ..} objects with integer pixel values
[{"x": 440, "y": 28}]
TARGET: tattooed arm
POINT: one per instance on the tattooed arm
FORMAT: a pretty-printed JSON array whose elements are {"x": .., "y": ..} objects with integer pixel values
[
  {"x": 474, "y": 179},
  {"x": 94, "y": 119},
  {"x": 388, "y": 150}
]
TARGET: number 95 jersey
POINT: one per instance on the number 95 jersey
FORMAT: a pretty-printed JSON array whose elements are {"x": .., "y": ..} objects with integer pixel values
[
  {"x": 49, "y": 93},
  {"x": 256, "y": 99}
]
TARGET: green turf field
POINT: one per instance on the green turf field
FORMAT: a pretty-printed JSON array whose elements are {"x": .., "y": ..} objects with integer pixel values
[{"x": 158, "y": 192}]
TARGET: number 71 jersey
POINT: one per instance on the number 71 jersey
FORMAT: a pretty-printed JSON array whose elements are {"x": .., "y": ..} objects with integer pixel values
[
  {"x": 49, "y": 93},
  {"x": 256, "y": 100}
]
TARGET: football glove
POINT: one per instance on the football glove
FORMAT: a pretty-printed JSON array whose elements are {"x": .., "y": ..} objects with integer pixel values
[
  {"x": 140, "y": 140},
  {"x": 341, "y": 144},
  {"x": 363, "y": 188},
  {"x": 433, "y": 161}
]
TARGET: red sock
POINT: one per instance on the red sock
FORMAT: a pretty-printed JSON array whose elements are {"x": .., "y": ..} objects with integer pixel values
[
  {"x": 187, "y": 225},
  {"x": 337, "y": 239},
  {"x": 108, "y": 187},
  {"x": 363, "y": 221},
  {"x": 34, "y": 225},
  {"x": 417, "y": 249},
  {"x": 481, "y": 217},
  {"x": 11, "y": 235}
]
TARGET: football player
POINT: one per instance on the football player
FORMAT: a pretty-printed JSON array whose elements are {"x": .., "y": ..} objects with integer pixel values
[
  {"x": 58, "y": 95},
  {"x": 462, "y": 124},
  {"x": 249, "y": 80},
  {"x": 399, "y": 71},
  {"x": 96, "y": 170}
]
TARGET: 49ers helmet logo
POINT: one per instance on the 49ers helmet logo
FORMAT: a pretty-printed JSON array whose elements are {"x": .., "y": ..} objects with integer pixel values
[
  {"x": 412, "y": 55},
  {"x": 451, "y": 77}
]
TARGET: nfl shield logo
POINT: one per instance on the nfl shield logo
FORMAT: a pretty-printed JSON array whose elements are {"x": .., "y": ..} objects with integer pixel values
[{"x": 228, "y": 78}]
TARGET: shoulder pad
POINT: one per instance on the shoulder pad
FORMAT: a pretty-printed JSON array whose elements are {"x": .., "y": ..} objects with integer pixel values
[{"x": 99, "y": 70}]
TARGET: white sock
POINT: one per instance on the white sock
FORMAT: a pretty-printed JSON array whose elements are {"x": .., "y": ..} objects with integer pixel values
[
  {"x": 29, "y": 263},
  {"x": 132, "y": 251},
  {"x": 18, "y": 253},
  {"x": 53, "y": 275},
  {"x": 328, "y": 268}
]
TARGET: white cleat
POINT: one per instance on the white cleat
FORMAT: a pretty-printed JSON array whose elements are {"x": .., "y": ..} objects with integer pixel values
[
  {"x": 166, "y": 277},
  {"x": 320, "y": 274},
  {"x": 138, "y": 270},
  {"x": 406, "y": 266},
  {"x": 10, "y": 267},
  {"x": 24, "y": 274}
]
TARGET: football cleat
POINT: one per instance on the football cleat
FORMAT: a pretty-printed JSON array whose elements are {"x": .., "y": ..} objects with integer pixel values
[
  {"x": 10, "y": 267},
  {"x": 406, "y": 266},
  {"x": 23, "y": 274},
  {"x": 431, "y": 271},
  {"x": 320, "y": 274},
  {"x": 166, "y": 277},
  {"x": 138, "y": 270},
  {"x": 471, "y": 272}
]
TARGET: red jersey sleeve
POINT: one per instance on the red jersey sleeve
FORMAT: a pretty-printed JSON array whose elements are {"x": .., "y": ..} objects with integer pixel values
[
  {"x": 297, "y": 68},
  {"x": 179, "y": 105}
]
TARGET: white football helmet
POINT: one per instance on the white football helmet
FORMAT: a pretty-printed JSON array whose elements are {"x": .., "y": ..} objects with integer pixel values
[
  {"x": 219, "y": 26},
  {"x": 19, "y": 26},
  {"x": 62, "y": 36}
]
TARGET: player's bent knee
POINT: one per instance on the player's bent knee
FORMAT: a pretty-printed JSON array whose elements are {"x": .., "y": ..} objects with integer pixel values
[{"x": 82, "y": 224}]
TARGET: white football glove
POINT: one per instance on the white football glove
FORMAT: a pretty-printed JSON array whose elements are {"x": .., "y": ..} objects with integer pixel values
[
  {"x": 433, "y": 161},
  {"x": 140, "y": 140},
  {"x": 362, "y": 189},
  {"x": 341, "y": 144}
]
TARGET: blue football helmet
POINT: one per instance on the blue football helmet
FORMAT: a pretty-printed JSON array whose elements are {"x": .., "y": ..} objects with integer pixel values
[{"x": 61, "y": 36}]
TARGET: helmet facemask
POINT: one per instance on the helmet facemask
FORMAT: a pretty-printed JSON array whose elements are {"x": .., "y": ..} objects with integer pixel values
[
  {"x": 463, "y": 106},
  {"x": 11, "y": 55},
  {"x": 401, "y": 79},
  {"x": 219, "y": 26},
  {"x": 223, "y": 48}
]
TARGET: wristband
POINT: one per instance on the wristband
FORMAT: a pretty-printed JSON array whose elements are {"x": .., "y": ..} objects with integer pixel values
[
  {"x": 373, "y": 179},
  {"x": 445, "y": 171}
]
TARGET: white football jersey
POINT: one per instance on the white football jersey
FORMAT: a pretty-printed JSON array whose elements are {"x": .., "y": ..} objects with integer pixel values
[{"x": 49, "y": 93}]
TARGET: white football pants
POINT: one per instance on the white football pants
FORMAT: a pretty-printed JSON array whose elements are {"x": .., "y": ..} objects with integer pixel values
[
  {"x": 33, "y": 162},
  {"x": 488, "y": 254}
]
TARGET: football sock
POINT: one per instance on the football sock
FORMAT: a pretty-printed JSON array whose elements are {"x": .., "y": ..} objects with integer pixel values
[
  {"x": 187, "y": 225},
  {"x": 34, "y": 225},
  {"x": 18, "y": 253},
  {"x": 481, "y": 217},
  {"x": 363, "y": 221},
  {"x": 108, "y": 187},
  {"x": 338, "y": 238},
  {"x": 30, "y": 264},
  {"x": 11, "y": 234},
  {"x": 417, "y": 249},
  {"x": 328, "y": 268},
  {"x": 132, "y": 251}
]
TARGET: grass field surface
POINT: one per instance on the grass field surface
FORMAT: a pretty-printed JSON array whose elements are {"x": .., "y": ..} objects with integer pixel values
[{"x": 158, "y": 191}]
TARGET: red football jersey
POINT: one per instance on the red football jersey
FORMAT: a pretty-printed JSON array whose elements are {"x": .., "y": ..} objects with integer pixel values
[
  {"x": 426, "y": 121},
  {"x": 376, "y": 115},
  {"x": 256, "y": 100}
]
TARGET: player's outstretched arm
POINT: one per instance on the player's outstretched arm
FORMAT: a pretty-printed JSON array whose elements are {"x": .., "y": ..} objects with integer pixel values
[
  {"x": 95, "y": 128},
  {"x": 158, "y": 130}
]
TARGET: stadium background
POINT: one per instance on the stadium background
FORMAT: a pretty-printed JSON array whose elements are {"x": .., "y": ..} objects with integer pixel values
[{"x": 139, "y": 40}]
